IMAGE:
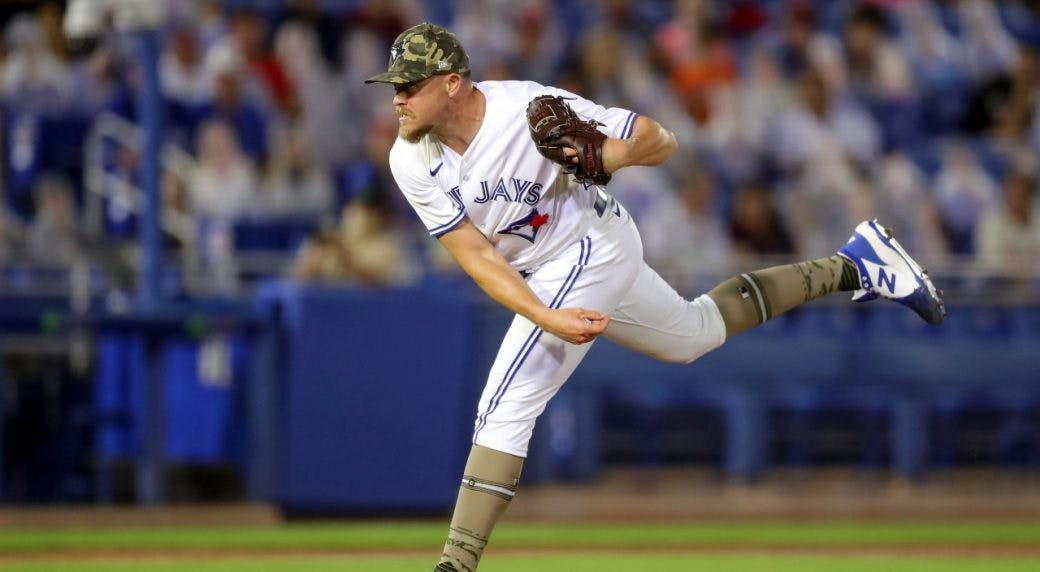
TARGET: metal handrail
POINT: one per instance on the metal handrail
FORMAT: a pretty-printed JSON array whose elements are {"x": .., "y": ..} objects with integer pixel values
[{"x": 173, "y": 159}]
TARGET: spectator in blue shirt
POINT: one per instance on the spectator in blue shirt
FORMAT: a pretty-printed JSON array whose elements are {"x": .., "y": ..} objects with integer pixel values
[{"x": 228, "y": 105}]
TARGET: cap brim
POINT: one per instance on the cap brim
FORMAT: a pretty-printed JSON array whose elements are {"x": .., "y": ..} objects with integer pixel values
[{"x": 395, "y": 78}]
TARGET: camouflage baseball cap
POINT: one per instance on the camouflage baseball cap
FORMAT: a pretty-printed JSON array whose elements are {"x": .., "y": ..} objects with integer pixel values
[{"x": 422, "y": 51}]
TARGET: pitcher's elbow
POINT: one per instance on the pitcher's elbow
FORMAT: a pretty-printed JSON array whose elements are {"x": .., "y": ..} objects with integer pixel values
[{"x": 668, "y": 144}]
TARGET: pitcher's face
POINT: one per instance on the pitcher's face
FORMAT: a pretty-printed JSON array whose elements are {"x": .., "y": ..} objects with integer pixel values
[{"x": 419, "y": 106}]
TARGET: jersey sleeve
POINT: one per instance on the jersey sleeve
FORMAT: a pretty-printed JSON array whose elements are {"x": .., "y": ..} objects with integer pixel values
[
  {"x": 437, "y": 211},
  {"x": 618, "y": 123}
]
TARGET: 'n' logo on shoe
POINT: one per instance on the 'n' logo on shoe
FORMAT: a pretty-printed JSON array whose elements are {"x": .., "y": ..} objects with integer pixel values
[{"x": 886, "y": 279}]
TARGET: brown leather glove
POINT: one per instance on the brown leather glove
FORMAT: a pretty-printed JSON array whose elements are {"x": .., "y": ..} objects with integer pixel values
[{"x": 554, "y": 127}]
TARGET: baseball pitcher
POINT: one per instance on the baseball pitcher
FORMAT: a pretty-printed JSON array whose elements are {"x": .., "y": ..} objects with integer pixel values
[{"x": 508, "y": 176}]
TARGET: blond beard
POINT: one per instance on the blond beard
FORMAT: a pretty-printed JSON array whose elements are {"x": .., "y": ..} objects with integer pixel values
[
  {"x": 415, "y": 135},
  {"x": 412, "y": 133}
]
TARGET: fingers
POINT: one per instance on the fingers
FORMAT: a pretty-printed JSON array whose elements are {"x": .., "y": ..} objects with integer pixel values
[
  {"x": 596, "y": 326},
  {"x": 592, "y": 315},
  {"x": 577, "y": 325},
  {"x": 594, "y": 323}
]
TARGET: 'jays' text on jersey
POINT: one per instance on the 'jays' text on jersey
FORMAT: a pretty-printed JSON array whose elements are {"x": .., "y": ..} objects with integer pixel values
[{"x": 523, "y": 203}]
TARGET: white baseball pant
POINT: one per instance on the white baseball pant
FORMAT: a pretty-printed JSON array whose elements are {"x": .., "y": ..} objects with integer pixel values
[{"x": 603, "y": 271}]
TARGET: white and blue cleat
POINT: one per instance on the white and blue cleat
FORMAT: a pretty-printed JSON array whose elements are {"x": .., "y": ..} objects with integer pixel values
[{"x": 887, "y": 271}]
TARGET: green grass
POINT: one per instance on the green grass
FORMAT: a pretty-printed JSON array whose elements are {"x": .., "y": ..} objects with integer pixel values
[
  {"x": 592, "y": 547},
  {"x": 392, "y": 535},
  {"x": 564, "y": 563}
]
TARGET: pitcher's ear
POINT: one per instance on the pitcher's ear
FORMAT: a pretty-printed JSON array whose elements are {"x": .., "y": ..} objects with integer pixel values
[{"x": 452, "y": 84}]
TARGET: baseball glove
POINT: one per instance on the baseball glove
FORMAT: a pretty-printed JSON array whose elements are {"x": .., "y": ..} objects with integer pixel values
[{"x": 554, "y": 127}]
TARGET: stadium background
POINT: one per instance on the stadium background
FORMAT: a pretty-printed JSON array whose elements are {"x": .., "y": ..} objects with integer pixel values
[{"x": 259, "y": 329}]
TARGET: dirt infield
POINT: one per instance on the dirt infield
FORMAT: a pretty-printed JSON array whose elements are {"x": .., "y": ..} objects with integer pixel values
[
  {"x": 655, "y": 495},
  {"x": 90, "y": 516}
]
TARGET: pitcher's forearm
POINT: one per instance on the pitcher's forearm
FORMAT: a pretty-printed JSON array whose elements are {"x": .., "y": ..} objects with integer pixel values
[
  {"x": 499, "y": 280},
  {"x": 503, "y": 284}
]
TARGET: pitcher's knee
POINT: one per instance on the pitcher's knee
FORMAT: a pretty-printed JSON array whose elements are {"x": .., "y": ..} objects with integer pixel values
[
  {"x": 688, "y": 348},
  {"x": 682, "y": 355}
]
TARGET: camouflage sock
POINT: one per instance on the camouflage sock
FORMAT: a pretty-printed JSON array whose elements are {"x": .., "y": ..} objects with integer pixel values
[
  {"x": 754, "y": 297},
  {"x": 488, "y": 485}
]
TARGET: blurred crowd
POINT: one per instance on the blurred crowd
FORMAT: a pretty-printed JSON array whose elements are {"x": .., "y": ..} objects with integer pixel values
[{"x": 796, "y": 119}]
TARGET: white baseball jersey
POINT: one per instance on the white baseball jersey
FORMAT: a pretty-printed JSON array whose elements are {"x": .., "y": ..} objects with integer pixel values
[
  {"x": 522, "y": 202},
  {"x": 574, "y": 252}
]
